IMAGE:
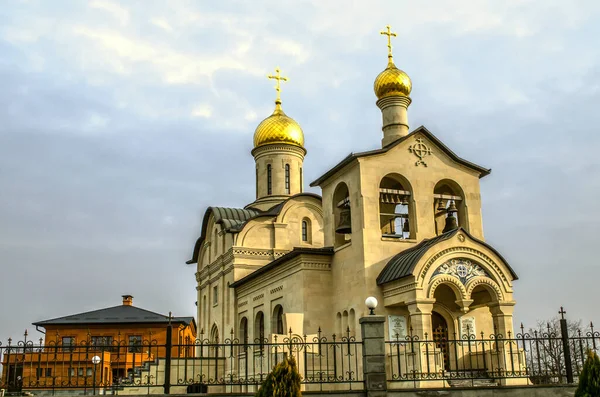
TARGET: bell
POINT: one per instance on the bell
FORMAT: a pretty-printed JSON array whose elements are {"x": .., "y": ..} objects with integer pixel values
[
  {"x": 452, "y": 207},
  {"x": 406, "y": 227},
  {"x": 441, "y": 206},
  {"x": 345, "y": 225},
  {"x": 404, "y": 200},
  {"x": 451, "y": 222}
]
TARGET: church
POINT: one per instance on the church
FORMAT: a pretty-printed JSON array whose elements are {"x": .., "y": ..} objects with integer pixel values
[{"x": 401, "y": 223}]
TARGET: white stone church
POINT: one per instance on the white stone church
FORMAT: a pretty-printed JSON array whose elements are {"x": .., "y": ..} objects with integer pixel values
[{"x": 401, "y": 223}]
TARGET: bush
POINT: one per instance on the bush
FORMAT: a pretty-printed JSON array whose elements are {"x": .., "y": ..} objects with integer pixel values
[
  {"x": 589, "y": 380},
  {"x": 283, "y": 381}
]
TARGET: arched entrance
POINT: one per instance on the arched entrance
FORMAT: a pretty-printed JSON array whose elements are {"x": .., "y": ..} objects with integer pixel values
[{"x": 440, "y": 336}]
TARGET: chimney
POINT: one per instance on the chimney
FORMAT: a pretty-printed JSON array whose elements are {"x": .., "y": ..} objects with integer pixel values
[{"x": 127, "y": 300}]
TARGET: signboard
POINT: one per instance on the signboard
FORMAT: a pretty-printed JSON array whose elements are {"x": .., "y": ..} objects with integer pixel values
[
  {"x": 397, "y": 326},
  {"x": 467, "y": 326}
]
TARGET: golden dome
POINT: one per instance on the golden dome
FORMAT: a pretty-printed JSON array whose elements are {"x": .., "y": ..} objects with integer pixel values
[
  {"x": 278, "y": 128},
  {"x": 392, "y": 82}
]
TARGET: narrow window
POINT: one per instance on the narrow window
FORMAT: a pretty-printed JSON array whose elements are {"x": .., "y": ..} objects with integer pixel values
[
  {"x": 304, "y": 231},
  {"x": 269, "y": 189},
  {"x": 215, "y": 295},
  {"x": 287, "y": 178},
  {"x": 68, "y": 343}
]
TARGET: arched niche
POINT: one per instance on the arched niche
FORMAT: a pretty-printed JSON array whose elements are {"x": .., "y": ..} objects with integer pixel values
[
  {"x": 306, "y": 230},
  {"x": 277, "y": 321},
  {"x": 259, "y": 328},
  {"x": 341, "y": 207},
  {"x": 244, "y": 330},
  {"x": 445, "y": 193},
  {"x": 396, "y": 207}
]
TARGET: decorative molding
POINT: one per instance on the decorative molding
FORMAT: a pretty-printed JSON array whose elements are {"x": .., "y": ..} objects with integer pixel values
[
  {"x": 277, "y": 289},
  {"x": 257, "y": 297},
  {"x": 316, "y": 265},
  {"x": 487, "y": 281},
  {"x": 461, "y": 268},
  {"x": 421, "y": 150},
  {"x": 475, "y": 252},
  {"x": 242, "y": 304},
  {"x": 398, "y": 290},
  {"x": 449, "y": 280}
]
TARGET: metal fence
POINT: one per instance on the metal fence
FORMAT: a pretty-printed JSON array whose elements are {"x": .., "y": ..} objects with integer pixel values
[
  {"x": 539, "y": 357},
  {"x": 146, "y": 367}
]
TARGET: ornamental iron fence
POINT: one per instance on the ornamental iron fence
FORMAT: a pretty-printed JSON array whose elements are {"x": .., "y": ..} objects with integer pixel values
[{"x": 102, "y": 365}]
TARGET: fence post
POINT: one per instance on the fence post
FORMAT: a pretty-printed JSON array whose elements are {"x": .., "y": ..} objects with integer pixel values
[
  {"x": 373, "y": 338},
  {"x": 169, "y": 348},
  {"x": 564, "y": 334}
]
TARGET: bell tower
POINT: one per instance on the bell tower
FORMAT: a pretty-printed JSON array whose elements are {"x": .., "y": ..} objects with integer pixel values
[{"x": 279, "y": 154}]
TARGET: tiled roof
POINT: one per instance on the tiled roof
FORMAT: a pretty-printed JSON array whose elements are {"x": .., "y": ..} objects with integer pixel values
[{"x": 121, "y": 314}]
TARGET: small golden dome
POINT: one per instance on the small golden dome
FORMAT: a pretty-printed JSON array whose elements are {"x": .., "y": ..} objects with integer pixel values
[
  {"x": 392, "y": 82},
  {"x": 278, "y": 128}
]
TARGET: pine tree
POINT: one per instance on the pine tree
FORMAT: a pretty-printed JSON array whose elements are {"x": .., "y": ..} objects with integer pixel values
[
  {"x": 589, "y": 380},
  {"x": 283, "y": 381}
]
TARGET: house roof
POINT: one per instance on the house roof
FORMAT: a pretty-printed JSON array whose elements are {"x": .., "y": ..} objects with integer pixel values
[
  {"x": 422, "y": 130},
  {"x": 403, "y": 264},
  {"x": 121, "y": 314},
  {"x": 234, "y": 219},
  {"x": 326, "y": 251}
]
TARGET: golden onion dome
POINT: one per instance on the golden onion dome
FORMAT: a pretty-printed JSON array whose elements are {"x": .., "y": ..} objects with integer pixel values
[
  {"x": 392, "y": 82},
  {"x": 278, "y": 128}
]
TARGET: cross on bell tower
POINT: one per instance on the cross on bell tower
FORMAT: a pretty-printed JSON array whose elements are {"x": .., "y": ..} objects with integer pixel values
[{"x": 388, "y": 32}]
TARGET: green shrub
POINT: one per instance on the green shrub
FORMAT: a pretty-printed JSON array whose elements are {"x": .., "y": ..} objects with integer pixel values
[
  {"x": 283, "y": 381},
  {"x": 589, "y": 380}
]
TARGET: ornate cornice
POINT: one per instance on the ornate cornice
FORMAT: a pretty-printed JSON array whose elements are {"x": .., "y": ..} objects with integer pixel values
[{"x": 400, "y": 289}]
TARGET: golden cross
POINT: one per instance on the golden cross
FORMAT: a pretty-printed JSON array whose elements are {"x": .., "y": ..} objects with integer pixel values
[
  {"x": 278, "y": 78},
  {"x": 389, "y": 34}
]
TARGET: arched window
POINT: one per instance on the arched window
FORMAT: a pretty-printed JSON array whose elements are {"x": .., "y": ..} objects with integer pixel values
[
  {"x": 395, "y": 207},
  {"x": 344, "y": 322},
  {"x": 215, "y": 243},
  {"x": 259, "y": 328},
  {"x": 352, "y": 322},
  {"x": 269, "y": 181},
  {"x": 277, "y": 326},
  {"x": 244, "y": 330},
  {"x": 338, "y": 323},
  {"x": 449, "y": 207},
  {"x": 287, "y": 178},
  {"x": 342, "y": 215},
  {"x": 306, "y": 230}
]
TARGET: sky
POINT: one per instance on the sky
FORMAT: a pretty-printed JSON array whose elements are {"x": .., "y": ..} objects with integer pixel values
[{"x": 120, "y": 122}]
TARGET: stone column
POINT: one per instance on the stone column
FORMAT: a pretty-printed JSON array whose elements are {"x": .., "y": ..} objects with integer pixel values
[
  {"x": 373, "y": 337},
  {"x": 395, "y": 118},
  {"x": 508, "y": 355},
  {"x": 420, "y": 317}
]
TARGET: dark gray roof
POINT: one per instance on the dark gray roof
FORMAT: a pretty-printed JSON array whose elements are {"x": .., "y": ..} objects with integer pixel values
[
  {"x": 403, "y": 264},
  {"x": 234, "y": 219},
  {"x": 353, "y": 156},
  {"x": 121, "y": 314},
  {"x": 327, "y": 251}
]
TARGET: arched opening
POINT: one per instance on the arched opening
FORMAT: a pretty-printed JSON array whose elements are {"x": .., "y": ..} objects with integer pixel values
[
  {"x": 449, "y": 207},
  {"x": 287, "y": 179},
  {"x": 342, "y": 215},
  {"x": 306, "y": 231},
  {"x": 395, "y": 207},
  {"x": 205, "y": 310},
  {"x": 214, "y": 334},
  {"x": 244, "y": 331},
  {"x": 344, "y": 322},
  {"x": 338, "y": 323},
  {"x": 269, "y": 180},
  {"x": 259, "y": 328},
  {"x": 352, "y": 322},
  {"x": 440, "y": 336},
  {"x": 481, "y": 296},
  {"x": 277, "y": 326},
  {"x": 446, "y": 296}
]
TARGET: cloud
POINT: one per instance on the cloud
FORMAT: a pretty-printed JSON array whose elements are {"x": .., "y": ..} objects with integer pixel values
[
  {"x": 117, "y": 11},
  {"x": 161, "y": 23}
]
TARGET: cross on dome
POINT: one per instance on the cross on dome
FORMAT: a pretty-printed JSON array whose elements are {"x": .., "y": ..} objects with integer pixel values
[
  {"x": 278, "y": 78},
  {"x": 388, "y": 32}
]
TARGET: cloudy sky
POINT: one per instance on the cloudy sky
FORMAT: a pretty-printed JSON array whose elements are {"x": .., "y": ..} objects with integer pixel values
[{"x": 120, "y": 122}]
